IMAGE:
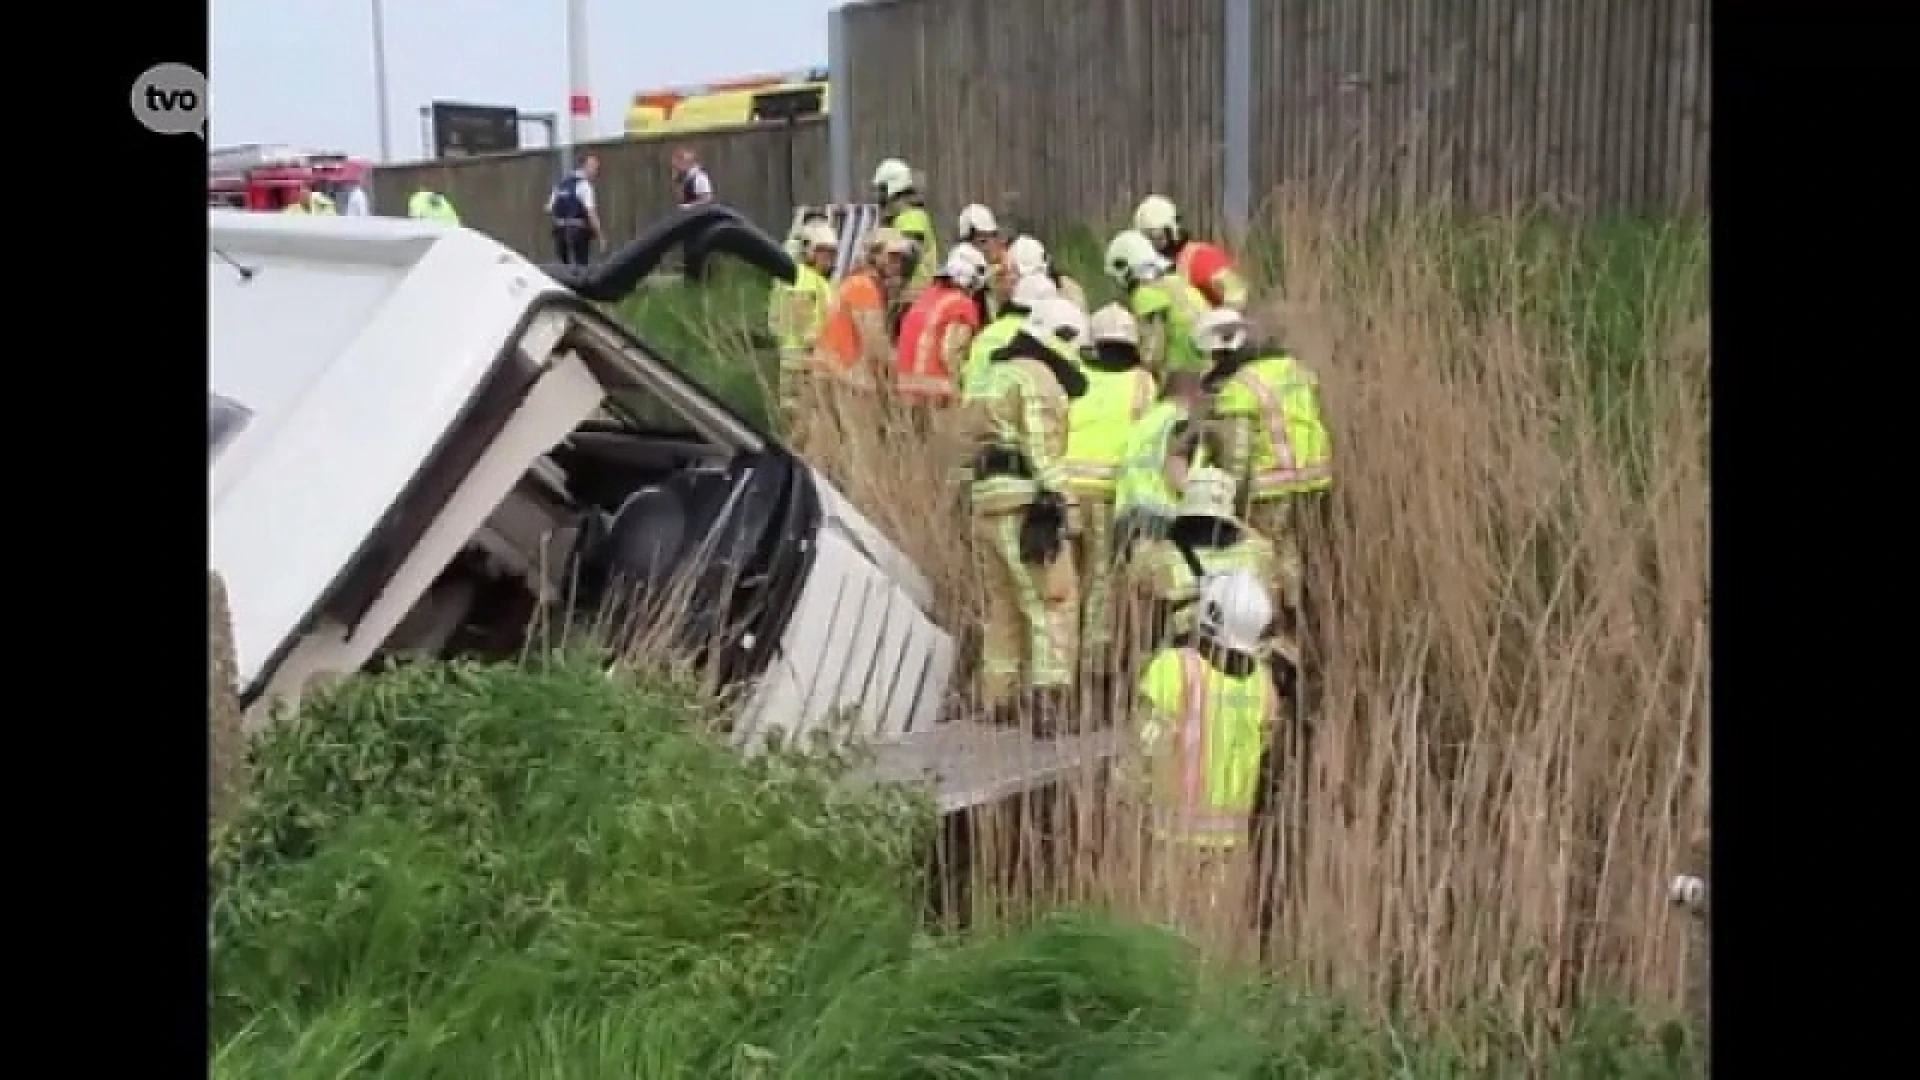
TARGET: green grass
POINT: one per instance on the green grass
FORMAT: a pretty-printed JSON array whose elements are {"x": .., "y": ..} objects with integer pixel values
[{"x": 537, "y": 871}]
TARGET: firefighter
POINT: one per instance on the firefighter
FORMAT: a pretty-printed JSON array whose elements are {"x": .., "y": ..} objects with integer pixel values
[
  {"x": 854, "y": 349},
  {"x": 901, "y": 208},
  {"x": 1210, "y": 705},
  {"x": 938, "y": 328},
  {"x": 1009, "y": 316},
  {"x": 1265, "y": 426},
  {"x": 796, "y": 313},
  {"x": 1119, "y": 393},
  {"x": 1163, "y": 575},
  {"x": 1023, "y": 519},
  {"x": 1165, "y": 305},
  {"x": 1027, "y": 256},
  {"x": 1207, "y": 267},
  {"x": 980, "y": 228},
  {"x": 424, "y": 205}
]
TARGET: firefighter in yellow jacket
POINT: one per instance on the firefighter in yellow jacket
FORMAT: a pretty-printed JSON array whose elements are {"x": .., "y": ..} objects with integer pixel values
[
  {"x": 902, "y": 209},
  {"x": 1163, "y": 302},
  {"x": 1119, "y": 393},
  {"x": 1023, "y": 517},
  {"x": 1163, "y": 575},
  {"x": 1265, "y": 422},
  {"x": 1210, "y": 704},
  {"x": 796, "y": 312},
  {"x": 1011, "y": 309}
]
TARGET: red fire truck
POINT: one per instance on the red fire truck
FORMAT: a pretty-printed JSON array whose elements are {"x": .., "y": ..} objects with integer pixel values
[{"x": 259, "y": 177}]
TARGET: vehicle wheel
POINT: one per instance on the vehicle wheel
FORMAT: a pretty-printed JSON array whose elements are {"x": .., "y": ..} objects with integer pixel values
[{"x": 226, "y": 741}]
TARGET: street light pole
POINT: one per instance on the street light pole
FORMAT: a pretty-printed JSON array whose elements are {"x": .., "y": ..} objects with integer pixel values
[
  {"x": 579, "y": 86},
  {"x": 380, "y": 83}
]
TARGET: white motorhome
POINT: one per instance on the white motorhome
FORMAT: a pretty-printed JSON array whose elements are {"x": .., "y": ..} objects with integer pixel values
[{"x": 420, "y": 442}]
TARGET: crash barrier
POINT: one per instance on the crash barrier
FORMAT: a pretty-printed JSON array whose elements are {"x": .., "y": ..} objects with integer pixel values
[{"x": 851, "y": 222}]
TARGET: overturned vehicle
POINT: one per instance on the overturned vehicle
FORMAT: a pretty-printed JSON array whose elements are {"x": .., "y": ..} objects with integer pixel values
[{"x": 423, "y": 445}]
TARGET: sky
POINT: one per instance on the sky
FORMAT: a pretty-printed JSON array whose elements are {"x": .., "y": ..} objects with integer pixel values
[{"x": 301, "y": 71}]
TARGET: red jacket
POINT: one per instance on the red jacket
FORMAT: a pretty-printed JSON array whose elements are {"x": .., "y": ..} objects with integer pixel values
[{"x": 919, "y": 365}]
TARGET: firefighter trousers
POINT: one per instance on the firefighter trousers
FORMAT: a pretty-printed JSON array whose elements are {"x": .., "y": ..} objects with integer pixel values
[
  {"x": 1093, "y": 550},
  {"x": 1030, "y": 619}
]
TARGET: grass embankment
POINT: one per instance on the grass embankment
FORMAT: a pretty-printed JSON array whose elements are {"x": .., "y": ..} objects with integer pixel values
[
  {"x": 1511, "y": 758},
  {"x": 538, "y": 872}
]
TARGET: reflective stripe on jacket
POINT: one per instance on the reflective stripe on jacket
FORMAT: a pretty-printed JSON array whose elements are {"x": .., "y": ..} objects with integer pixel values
[
  {"x": 796, "y": 313},
  {"x": 1098, "y": 423},
  {"x": 920, "y": 360},
  {"x": 1203, "y": 737},
  {"x": 1141, "y": 482},
  {"x": 1275, "y": 442}
]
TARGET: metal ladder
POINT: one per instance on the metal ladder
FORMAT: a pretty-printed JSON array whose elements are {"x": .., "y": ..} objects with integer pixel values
[{"x": 851, "y": 222}]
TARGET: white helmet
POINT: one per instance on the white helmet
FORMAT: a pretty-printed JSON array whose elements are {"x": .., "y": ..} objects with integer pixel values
[
  {"x": 818, "y": 236},
  {"x": 1132, "y": 256},
  {"x": 1027, "y": 256},
  {"x": 1058, "y": 318},
  {"x": 977, "y": 220},
  {"x": 1156, "y": 213},
  {"x": 1220, "y": 330},
  {"x": 1031, "y": 290},
  {"x": 892, "y": 176},
  {"x": 965, "y": 267},
  {"x": 1235, "y": 610},
  {"x": 1115, "y": 323}
]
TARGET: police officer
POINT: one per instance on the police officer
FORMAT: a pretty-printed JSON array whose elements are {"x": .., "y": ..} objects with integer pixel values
[
  {"x": 576, "y": 214},
  {"x": 690, "y": 178}
]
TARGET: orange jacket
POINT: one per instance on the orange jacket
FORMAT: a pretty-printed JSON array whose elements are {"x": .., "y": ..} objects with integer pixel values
[
  {"x": 838, "y": 347},
  {"x": 919, "y": 362}
]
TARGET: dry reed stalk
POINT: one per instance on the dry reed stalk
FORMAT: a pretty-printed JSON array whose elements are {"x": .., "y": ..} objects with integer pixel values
[{"x": 1512, "y": 737}]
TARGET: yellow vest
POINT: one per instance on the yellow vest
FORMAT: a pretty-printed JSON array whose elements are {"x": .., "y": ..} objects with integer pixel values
[
  {"x": 1097, "y": 425},
  {"x": 1284, "y": 448},
  {"x": 796, "y": 312},
  {"x": 992, "y": 337},
  {"x": 1141, "y": 481},
  {"x": 1178, "y": 303},
  {"x": 1203, "y": 739}
]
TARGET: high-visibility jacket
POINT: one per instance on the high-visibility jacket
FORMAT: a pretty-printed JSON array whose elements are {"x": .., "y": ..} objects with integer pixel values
[
  {"x": 1203, "y": 735},
  {"x": 431, "y": 206},
  {"x": 1208, "y": 268},
  {"x": 1171, "y": 304},
  {"x": 314, "y": 203},
  {"x": 934, "y": 335},
  {"x": 918, "y": 224},
  {"x": 1272, "y": 439},
  {"x": 993, "y": 337},
  {"x": 1160, "y": 571},
  {"x": 840, "y": 350},
  {"x": 796, "y": 313},
  {"x": 1141, "y": 481},
  {"x": 1022, "y": 411},
  {"x": 1098, "y": 422}
]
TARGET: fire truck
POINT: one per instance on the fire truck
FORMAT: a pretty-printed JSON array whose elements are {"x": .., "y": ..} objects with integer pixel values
[{"x": 268, "y": 177}]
